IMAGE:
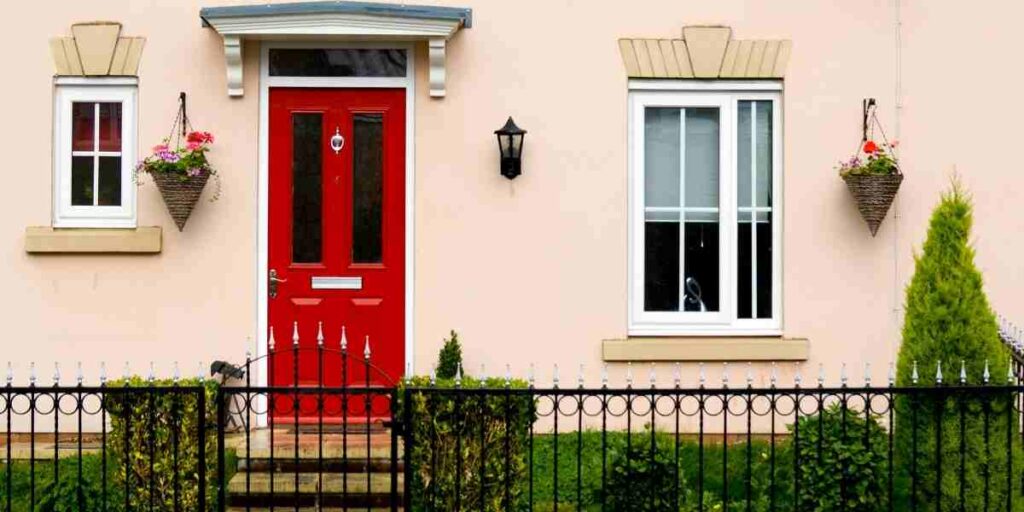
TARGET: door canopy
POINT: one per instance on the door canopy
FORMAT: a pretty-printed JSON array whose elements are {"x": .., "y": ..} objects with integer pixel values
[{"x": 336, "y": 20}]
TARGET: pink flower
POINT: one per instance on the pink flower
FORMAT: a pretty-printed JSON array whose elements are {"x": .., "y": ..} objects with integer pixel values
[
  {"x": 160, "y": 148},
  {"x": 192, "y": 146},
  {"x": 194, "y": 172}
]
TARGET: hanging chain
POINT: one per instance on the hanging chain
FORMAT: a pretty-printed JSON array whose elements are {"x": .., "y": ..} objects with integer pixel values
[
  {"x": 869, "y": 123},
  {"x": 180, "y": 120}
]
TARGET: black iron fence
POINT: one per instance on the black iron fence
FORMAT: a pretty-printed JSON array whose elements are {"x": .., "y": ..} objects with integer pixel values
[{"x": 936, "y": 442}]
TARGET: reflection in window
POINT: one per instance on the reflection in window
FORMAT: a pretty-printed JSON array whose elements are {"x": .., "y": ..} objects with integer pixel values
[
  {"x": 307, "y": 188},
  {"x": 96, "y": 154},
  {"x": 367, "y": 187}
]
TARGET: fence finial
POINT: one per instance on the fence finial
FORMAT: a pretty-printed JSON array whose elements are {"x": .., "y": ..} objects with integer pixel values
[
  {"x": 508, "y": 375},
  {"x": 750, "y": 374},
  {"x": 152, "y": 372},
  {"x": 295, "y": 334},
  {"x": 458, "y": 375},
  {"x": 366, "y": 348},
  {"x": 483, "y": 376},
  {"x": 652, "y": 377},
  {"x": 1009, "y": 370},
  {"x": 320, "y": 334},
  {"x": 725, "y": 375},
  {"x": 798, "y": 378},
  {"x": 892, "y": 374},
  {"x": 579, "y": 377},
  {"x": 773, "y": 379},
  {"x": 200, "y": 372},
  {"x": 842, "y": 374},
  {"x": 554, "y": 376},
  {"x": 176, "y": 372},
  {"x": 963, "y": 372},
  {"x": 629, "y": 375},
  {"x": 867, "y": 374},
  {"x": 821, "y": 375},
  {"x": 344, "y": 340},
  {"x": 433, "y": 376},
  {"x": 531, "y": 376},
  {"x": 913, "y": 374},
  {"x": 103, "y": 373},
  {"x": 701, "y": 376},
  {"x": 604, "y": 375},
  {"x": 271, "y": 342},
  {"x": 32, "y": 373},
  {"x": 56, "y": 374},
  {"x": 985, "y": 375},
  {"x": 938, "y": 372},
  {"x": 79, "y": 376},
  {"x": 10, "y": 374},
  {"x": 677, "y": 375}
]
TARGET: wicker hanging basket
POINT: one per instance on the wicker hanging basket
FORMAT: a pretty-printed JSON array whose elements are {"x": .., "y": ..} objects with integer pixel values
[
  {"x": 874, "y": 195},
  {"x": 180, "y": 196}
]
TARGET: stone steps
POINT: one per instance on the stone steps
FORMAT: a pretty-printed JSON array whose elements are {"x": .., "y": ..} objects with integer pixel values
[{"x": 329, "y": 490}]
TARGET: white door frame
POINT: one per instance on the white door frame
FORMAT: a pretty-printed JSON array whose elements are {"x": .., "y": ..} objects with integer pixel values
[{"x": 408, "y": 82}]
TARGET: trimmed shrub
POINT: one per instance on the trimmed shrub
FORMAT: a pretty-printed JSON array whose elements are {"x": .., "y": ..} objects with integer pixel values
[
  {"x": 449, "y": 360},
  {"x": 948, "y": 320},
  {"x": 842, "y": 462},
  {"x": 641, "y": 482},
  {"x": 144, "y": 425},
  {"x": 70, "y": 494},
  {"x": 454, "y": 435}
]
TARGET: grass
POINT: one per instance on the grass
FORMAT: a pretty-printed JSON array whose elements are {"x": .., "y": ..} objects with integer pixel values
[{"x": 581, "y": 477}]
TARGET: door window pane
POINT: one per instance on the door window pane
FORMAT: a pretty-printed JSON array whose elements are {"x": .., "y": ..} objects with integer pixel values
[
  {"x": 307, "y": 187},
  {"x": 367, "y": 187},
  {"x": 81, "y": 180},
  {"x": 359, "y": 62}
]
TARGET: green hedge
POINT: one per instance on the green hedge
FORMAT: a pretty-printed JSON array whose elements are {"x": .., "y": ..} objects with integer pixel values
[
  {"x": 439, "y": 419},
  {"x": 67, "y": 495},
  {"x": 143, "y": 426}
]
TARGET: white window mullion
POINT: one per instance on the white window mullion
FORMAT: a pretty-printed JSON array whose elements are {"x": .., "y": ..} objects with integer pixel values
[
  {"x": 753, "y": 214},
  {"x": 96, "y": 154},
  {"x": 682, "y": 209}
]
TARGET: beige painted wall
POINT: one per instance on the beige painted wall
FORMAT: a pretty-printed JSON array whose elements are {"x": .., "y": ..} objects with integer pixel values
[{"x": 532, "y": 270}]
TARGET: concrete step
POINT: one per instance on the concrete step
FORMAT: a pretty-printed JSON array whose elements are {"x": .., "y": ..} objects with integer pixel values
[
  {"x": 335, "y": 490},
  {"x": 312, "y": 445},
  {"x": 312, "y": 465}
]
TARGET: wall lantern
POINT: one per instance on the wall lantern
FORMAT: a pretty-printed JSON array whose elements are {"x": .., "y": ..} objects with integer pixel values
[{"x": 510, "y": 144}]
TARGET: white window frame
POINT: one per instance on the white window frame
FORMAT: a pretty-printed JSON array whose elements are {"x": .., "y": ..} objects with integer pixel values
[
  {"x": 724, "y": 95},
  {"x": 99, "y": 90}
]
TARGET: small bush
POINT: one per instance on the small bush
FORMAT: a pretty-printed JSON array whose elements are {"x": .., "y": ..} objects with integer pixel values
[
  {"x": 641, "y": 482},
  {"x": 70, "y": 494},
  {"x": 842, "y": 462},
  {"x": 449, "y": 360},
  {"x": 451, "y": 430},
  {"x": 144, "y": 424}
]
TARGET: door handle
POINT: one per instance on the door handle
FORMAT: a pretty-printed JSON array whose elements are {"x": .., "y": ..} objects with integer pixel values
[{"x": 272, "y": 281}]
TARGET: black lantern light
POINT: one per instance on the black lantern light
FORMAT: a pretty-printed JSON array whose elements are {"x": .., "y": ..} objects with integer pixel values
[{"x": 510, "y": 144}]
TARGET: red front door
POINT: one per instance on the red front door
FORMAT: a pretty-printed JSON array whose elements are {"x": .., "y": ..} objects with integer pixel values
[{"x": 337, "y": 235}]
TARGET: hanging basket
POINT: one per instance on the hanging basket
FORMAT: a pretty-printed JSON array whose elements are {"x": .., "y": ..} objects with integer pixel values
[
  {"x": 179, "y": 195},
  {"x": 874, "y": 195}
]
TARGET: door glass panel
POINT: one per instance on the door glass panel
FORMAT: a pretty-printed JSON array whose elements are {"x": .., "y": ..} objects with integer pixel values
[
  {"x": 110, "y": 127},
  {"x": 81, "y": 180},
  {"x": 367, "y": 187},
  {"x": 365, "y": 62},
  {"x": 83, "y": 124},
  {"x": 307, "y": 187},
  {"x": 110, "y": 181}
]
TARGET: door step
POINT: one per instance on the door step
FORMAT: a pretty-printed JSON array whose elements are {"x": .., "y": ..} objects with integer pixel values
[{"x": 327, "y": 490}]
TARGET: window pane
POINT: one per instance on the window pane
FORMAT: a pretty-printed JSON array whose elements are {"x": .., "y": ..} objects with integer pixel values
[
  {"x": 661, "y": 156},
  {"x": 81, "y": 180},
  {"x": 754, "y": 180},
  {"x": 110, "y": 181},
  {"x": 661, "y": 266},
  {"x": 743, "y": 153},
  {"x": 701, "y": 266},
  {"x": 307, "y": 199},
  {"x": 763, "y": 152},
  {"x": 702, "y": 157},
  {"x": 110, "y": 127},
  {"x": 764, "y": 265},
  {"x": 83, "y": 124},
  {"x": 365, "y": 62},
  {"x": 367, "y": 187},
  {"x": 743, "y": 267}
]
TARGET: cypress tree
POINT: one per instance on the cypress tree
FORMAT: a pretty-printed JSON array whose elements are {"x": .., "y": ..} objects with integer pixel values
[
  {"x": 949, "y": 321},
  {"x": 449, "y": 360}
]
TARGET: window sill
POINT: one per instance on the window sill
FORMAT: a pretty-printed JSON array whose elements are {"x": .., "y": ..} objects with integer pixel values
[
  {"x": 49, "y": 240},
  {"x": 763, "y": 348}
]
